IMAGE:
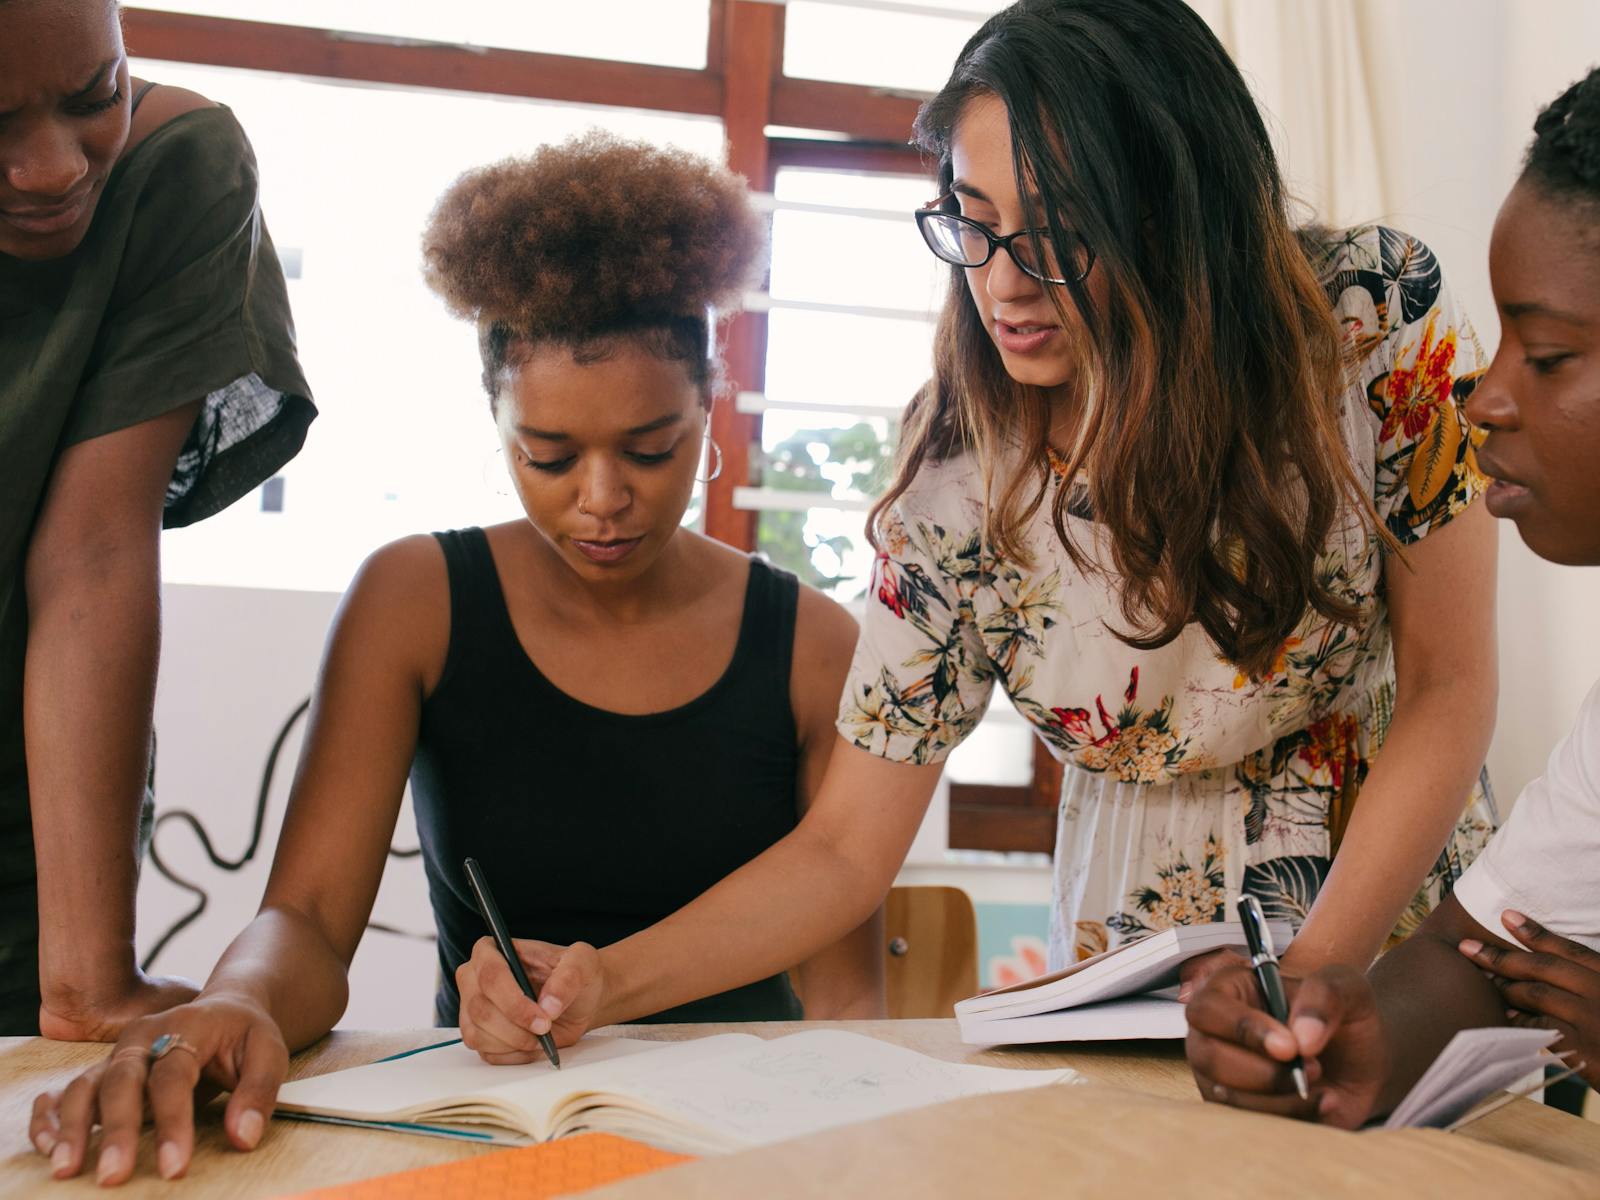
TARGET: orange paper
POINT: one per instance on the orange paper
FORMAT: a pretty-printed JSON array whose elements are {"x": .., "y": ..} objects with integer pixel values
[{"x": 571, "y": 1164}]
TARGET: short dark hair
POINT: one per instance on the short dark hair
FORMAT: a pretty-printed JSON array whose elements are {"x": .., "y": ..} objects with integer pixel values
[{"x": 1564, "y": 158}]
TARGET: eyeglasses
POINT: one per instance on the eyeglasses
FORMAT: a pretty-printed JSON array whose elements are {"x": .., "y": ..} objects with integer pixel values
[{"x": 963, "y": 242}]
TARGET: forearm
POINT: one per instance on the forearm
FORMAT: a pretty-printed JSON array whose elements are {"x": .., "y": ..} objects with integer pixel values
[
  {"x": 1427, "y": 991},
  {"x": 284, "y": 962},
  {"x": 784, "y": 907},
  {"x": 89, "y": 688},
  {"x": 1406, "y": 811}
]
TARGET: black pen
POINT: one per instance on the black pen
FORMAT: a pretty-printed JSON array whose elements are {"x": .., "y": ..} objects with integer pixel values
[
  {"x": 1270, "y": 984},
  {"x": 502, "y": 939}
]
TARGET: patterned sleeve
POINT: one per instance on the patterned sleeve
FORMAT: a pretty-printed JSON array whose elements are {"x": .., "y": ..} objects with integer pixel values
[
  {"x": 1418, "y": 381},
  {"x": 920, "y": 680}
]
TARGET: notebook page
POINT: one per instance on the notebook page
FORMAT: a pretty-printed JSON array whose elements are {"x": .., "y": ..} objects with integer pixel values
[
  {"x": 435, "y": 1079},
  {"x": 1475, "y": 1064},
  {"x": 797, "y": 1084}
]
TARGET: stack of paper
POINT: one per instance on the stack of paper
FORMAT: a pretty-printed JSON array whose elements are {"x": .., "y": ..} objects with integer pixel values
[
  {"x": 1476, "y": 1063},
  {"x": 1128, "y": 992}
]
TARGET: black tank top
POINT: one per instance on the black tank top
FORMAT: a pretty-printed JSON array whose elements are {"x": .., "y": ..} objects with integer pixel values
[{"x": 592, "y": 825}]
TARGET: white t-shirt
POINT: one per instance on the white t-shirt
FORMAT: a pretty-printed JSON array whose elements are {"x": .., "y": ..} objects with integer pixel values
[{"x": 1545, "y": 861}]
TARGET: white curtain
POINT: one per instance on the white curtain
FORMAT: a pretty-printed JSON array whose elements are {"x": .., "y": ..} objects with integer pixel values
[{"x": 1307, "y": 64}]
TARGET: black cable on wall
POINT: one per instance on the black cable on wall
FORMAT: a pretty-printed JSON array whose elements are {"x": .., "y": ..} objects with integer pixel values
[{"x": 202, "y": 898}]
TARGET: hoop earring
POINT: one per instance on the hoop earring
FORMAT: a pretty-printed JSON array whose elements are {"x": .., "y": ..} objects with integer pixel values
[{"x": 716, "y": 470}]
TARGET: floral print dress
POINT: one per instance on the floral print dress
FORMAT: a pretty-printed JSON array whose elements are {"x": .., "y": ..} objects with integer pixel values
[{"x": 1185, "y": 781}]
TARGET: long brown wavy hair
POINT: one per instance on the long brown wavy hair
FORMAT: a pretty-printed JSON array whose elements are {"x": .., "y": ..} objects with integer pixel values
[{"x": 1209, "y": 388}]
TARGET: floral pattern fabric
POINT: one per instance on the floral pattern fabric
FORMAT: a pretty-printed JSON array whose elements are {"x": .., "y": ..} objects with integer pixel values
[{"x": 1185, "y": 780}]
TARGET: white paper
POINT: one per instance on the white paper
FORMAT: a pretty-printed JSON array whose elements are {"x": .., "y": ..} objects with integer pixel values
[
  {"x": 1476, "y": 1063},
  {"x": 1137, "y": 1017}
]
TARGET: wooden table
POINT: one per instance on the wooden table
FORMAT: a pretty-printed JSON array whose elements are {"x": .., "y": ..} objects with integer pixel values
[{"x": 1123, "y": 1134}]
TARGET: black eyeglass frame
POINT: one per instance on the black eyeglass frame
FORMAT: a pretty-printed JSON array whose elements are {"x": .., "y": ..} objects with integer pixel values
[{"x": 935, "y": 209}]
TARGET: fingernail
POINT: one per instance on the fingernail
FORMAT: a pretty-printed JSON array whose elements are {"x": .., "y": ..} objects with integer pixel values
[
  {"x": 1512, "y": 917},
  {"x": 539, "y": 1025},
  {"x": 61, "y": 1157},
  {"x": 1308, "y": 1030},
  {"x": 169, "y": 1160},
  {"x": 1326, "y": 1104},
  {"x": 552, "y": 1006},
  {"x": 249, "y": 1127},
  {"x": 110, "y": 1163},
  {"x": 1280, "y": 1043},
  {"x": 1471, "y": 947},
  {"x": 45, "y": 1142},
  {"x": 1185, "y": 990}
]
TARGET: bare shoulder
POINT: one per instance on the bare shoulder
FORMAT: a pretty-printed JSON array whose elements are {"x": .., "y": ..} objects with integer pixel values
[
  {"x": 399, "y": 604},
  {"x": 823, "y": 626},
  {"x": 161, "y": 104}
]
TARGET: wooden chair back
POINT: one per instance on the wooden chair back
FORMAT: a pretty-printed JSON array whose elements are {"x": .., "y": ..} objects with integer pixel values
[{"x": 932, "y": 946}]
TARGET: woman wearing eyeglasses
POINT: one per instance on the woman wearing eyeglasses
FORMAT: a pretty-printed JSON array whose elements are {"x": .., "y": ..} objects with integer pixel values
[{"x": 1195, "y": 488}]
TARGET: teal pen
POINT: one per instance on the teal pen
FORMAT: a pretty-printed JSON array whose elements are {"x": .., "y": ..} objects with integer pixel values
[{"x": 502, "y": 939}]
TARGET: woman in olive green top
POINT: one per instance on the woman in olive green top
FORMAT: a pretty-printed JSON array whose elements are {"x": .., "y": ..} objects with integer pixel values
[{"x": 147, "y": 377}]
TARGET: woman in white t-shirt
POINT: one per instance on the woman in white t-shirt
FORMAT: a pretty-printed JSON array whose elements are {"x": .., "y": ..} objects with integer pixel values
[{"x": 1519, "y": 939}]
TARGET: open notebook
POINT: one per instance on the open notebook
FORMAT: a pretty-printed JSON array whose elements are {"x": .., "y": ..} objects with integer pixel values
[
  {"x": 1126, "y": 992},
  {"x": 714, "y": 1094}
]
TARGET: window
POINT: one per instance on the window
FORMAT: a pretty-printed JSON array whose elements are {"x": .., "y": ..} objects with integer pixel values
[
  {"x": 848, "y": 342},
  {"x": 883, "y": 46},
  {"x": 665, "y": 32}
]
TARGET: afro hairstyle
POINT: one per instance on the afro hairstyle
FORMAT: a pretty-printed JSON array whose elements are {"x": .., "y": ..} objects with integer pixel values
[{"x": 591, "y": 238}]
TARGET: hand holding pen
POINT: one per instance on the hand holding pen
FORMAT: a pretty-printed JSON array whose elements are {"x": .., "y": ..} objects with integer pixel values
[
  {"x": 1244, "y": 1054},
  {"x": 502, "y": 939}
]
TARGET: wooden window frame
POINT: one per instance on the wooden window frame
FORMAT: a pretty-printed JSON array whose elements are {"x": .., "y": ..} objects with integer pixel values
[{"x": 742, "y": 83}]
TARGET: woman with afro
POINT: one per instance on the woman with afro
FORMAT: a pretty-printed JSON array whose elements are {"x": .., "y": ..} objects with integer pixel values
[{"x": 609, "y": 711}]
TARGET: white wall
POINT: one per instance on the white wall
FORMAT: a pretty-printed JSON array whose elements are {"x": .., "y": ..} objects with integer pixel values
[
  {"x": 1462, "y": 81},
  {"x": 234, "y": 664}
]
